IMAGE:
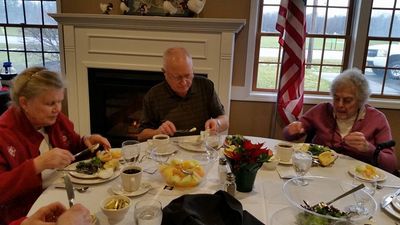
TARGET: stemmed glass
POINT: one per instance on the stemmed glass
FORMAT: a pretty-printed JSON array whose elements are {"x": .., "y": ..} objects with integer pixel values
[
  {"x": 302, "y": 162},
  {"x": 131, "y": 151},
  {"x": 213, "y": 141},
  {"x": 361, "y": 196}
]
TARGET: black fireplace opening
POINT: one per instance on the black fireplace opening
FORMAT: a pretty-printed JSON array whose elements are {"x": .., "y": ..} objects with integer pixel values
[{"x": 116, "y": 99}]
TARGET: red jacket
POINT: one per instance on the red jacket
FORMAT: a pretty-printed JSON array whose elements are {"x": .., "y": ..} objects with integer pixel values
[{"x": 20, "y": 186}]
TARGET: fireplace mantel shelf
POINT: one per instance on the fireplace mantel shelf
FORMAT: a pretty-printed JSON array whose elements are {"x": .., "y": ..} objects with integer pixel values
[{"x": 151, "y": 22}]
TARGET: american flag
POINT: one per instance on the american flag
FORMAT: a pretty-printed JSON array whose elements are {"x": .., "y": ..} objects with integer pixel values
[{"x": 291, "y": 25}]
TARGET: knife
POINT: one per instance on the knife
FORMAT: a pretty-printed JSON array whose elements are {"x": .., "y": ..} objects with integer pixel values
[
  {"x": 89, "y": 149},
  {"x": 70, "y": 190},
  {"x": 390, "y": 198}
]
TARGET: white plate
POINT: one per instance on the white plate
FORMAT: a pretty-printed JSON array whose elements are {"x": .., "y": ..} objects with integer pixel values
[
  {"x": 170, "y": 150},
  {"x": 396, "y": 203},
  {"x": 77, "y": 180},
  {"x": 144, "y": 187},
  {"x": 191, "y": 147},
  {"x": 286, "y": 162},
  {"x": 390, "y": 209},
  {"x": 381, "y": 175}
]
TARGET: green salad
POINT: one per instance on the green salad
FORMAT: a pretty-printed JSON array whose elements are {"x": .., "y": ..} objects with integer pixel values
[
  {"x": 306, "y": 218},
  {"x": 317, "y": 149}
]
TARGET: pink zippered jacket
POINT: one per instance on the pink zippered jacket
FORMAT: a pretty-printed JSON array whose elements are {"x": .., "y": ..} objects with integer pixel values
[
  {"x": 373, "y": 125},
  {"x": 20, "y": 186}
]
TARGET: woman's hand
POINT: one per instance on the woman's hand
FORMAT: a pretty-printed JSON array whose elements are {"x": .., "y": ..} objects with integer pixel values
[
  {"x": 295, "y": 128},
  {"x": 46, "y": 215},
  {"x": 76, "y": 215},
  {"x": 52, "y": 159},
  {"x": 357, "y": 140},
  {"x": 96, "y": 138}
]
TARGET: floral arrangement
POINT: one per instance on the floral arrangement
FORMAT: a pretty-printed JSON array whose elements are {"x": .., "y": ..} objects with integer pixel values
[{"x": 242, "y": 153}]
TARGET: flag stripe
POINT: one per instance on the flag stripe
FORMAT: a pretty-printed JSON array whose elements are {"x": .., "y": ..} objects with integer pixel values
[{"x": 291, "y": 26}]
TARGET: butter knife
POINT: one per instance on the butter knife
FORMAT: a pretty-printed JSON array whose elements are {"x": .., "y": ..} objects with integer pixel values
[
  {"x": 390, "y": 198},
  {"x": 90, "y": 149},
  {"x": 70, "y": 190}
]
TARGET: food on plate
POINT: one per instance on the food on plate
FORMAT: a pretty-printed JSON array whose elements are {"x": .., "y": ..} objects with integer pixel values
[
  {"x": 367, "y": 171},
  {"x": 116, "y": 204},
  {"x": 327, "y": 158},
  {"x": 105, "y": 173},
  {"x": 95, "y": 165},
  {"x": 104, "y": 156},
  {"x": 116, "y": 153},
  {"x": 306, "y": 218},
  {"x": 182, "y": 173},
  {"x": 318, "y": 149}
]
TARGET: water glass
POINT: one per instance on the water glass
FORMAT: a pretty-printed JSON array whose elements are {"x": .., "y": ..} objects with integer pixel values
[
  {"x": 148, "y": 212},
  {"x": 302, "y": 162},
  {"x": 361, "y": 196},
  {"x": 213, "y": 141},
  {"x": 131, "y": 151}
]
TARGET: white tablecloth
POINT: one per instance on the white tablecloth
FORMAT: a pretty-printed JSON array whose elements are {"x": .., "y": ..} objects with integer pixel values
[{"x": 265, "y": 199}]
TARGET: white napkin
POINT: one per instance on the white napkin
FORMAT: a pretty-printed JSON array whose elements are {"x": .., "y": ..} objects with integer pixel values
[{"x": 287, "y": 172}]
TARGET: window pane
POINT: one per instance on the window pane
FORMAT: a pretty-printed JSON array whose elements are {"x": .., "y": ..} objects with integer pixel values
[
  {"x": 328, "y": 74},
  {"x": 336, "y": 23},
  {"x": 269, "y": 49},
  {"x": 34, "y": 59},
  {"x": 383, "y": 4},
  {"x": 2, "y": 12},
  {"x": 50, "y": 40},
  {"x": 396, "y": 24},
  {"x": 317, "y": 2},
  {"x": 3, "y": 57},
  {"x": 266, "y": 77},
  {"x": 315, "y": 20},
  {"x": 313, "y": 51},
  {"x": 334, "y": 49},
  {"x": 375, "y": 79},
  {"x": 344, "y": 3},
  {"x": 49, "y": 7},
  {"x": 2, "y": 39},
  {"x": 52, "y": 61},
  {"x": 392, "y": 84},
  {"x": 380, "y": 23},
  {"x": 15, "y": 40},
  {"x": 15, "y": 12},
  {"x": 32, "y": 38},
  {"x": 377, "y": 54},
  {"x": 270, "y": 16},
  {"x": 272, "y": 1},
  {"x": 18, "y": 60},
  {"x": 33, "y": 12},
  {"x": 398, "y": 4},
  {"x": 311, "y": 78}
]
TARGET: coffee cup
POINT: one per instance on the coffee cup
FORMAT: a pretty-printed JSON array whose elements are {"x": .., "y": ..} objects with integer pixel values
[
  {"x": 284, "y": 151},
  {"x": 131, "y": 177},
  {"x": 159, "y": 142}
]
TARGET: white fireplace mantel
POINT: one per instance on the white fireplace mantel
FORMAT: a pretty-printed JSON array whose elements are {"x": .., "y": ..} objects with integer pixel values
[{"x": 138, "y": 43}]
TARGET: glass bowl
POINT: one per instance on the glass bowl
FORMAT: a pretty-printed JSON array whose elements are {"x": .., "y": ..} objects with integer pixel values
[{"x": 323, "y": 189}]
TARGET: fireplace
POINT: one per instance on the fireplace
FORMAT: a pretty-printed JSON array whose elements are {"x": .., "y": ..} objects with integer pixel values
[{"x": 136, "y": 43}]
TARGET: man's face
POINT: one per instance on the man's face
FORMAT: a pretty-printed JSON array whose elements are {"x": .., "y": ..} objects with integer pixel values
[{"x": 179, "y": 76}]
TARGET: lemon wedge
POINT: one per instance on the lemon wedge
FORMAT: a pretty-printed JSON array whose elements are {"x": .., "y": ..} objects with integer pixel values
[{"x": 327, "y": 158}]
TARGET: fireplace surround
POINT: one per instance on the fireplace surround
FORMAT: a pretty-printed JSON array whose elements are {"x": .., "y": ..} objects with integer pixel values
[{"x": 137, "y": 43}]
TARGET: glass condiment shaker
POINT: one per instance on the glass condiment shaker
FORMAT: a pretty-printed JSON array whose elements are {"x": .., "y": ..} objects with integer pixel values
[
  {"x": 230, "y": 185},
  {"x": 222, "y": 169}
]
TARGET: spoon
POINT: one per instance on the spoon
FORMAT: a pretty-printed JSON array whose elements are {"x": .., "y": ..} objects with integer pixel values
[
  {"x": 361, "y": 186},
  {"x": 79, "y": 189}
]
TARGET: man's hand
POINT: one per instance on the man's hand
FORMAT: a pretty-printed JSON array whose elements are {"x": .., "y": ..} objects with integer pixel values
[
  {"x": 167, "y": 128},
  {"x": 46, "y": 215},
  {"x": 212, "y": 125},
  {"x": 357, "y": 140}
]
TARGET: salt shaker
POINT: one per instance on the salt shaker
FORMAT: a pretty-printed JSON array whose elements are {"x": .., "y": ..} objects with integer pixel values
[
  {"x": 230, "y": 185},
  {"x": 222, "y": 169}
]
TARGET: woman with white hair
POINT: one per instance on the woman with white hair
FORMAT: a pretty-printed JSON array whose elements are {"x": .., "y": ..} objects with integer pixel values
[{"x": 348, "y": 125}]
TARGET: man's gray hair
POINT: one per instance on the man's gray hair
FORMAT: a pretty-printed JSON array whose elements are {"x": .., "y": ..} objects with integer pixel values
[{"x": 355, "y": 78}]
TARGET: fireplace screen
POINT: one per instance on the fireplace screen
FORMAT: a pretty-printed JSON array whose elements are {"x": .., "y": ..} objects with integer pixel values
[{"x": 115, "y": 98}]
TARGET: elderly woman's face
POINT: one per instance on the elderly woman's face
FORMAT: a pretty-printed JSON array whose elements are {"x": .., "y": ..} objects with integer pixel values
[
  {"x": 42, "y": 110},
  {"x": 345, "y": 102}
]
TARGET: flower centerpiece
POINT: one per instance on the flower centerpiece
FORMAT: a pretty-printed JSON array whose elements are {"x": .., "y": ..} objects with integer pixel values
[{"x": 245, "y": 159}]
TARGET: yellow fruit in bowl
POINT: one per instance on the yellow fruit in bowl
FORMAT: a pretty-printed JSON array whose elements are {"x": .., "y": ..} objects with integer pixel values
[{"x": 182, "y": 173}]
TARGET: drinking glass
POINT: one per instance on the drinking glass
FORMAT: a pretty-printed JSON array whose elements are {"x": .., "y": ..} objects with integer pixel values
[
  {"x": 361, "y": 196},
  {"x": 302, "y": 162},
  {"x": 148, "y": 212},
  {"x": 130, "y": 151},
  {"x": 213, "y": 141}
]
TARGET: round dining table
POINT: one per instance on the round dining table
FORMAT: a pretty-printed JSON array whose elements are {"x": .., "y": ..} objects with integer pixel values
[{"x": 263, "y": 201}]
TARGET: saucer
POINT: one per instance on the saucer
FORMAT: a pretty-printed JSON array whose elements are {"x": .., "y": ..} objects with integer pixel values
[
  {"x": 144, "y": 187},
  {"x": 286, "y": 162}
]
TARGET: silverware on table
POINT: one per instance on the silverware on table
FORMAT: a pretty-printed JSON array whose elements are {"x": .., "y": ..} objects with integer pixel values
[
  {"x": 70, "y": 190},
  {"x": 380, "y": 186},
  {"x": 82, "y": 189},
  {"x": 390, "y": 198},
  {"x": 89, "y": 149}
]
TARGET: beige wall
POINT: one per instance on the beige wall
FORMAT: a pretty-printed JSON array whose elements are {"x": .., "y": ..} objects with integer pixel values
[{"x": 247, "y": 118}]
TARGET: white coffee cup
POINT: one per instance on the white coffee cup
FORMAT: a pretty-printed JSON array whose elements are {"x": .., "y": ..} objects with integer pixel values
[
  {"x": 284, "y": 151},
  {"x": 159, "y": 142},
  {"x": 131, "y": 177}
]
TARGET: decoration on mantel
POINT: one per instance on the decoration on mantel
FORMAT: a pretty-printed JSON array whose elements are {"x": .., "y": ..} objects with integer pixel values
[
  {"x": 180, "y": 8},
  {"x": 106, "y": 7}
]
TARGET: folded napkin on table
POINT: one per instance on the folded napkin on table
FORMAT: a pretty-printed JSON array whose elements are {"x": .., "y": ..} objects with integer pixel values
[{"x": 203, "y": 209}]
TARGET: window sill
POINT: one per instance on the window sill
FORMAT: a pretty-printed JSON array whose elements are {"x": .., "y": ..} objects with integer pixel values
[{"x": 239, "y": 93}]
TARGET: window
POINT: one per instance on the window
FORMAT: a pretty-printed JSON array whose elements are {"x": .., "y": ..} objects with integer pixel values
[
  {"x": 327, "y": 41},
  {"x": 28, "y": 36},
  {"x": 382, "y": 64}
]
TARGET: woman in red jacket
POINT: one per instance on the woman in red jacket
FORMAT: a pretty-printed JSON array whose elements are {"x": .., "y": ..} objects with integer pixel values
[{"x": 35, "y": 139}]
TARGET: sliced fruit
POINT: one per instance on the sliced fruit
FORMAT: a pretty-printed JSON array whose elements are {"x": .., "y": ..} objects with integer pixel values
[{"x": 327, "y": 158}]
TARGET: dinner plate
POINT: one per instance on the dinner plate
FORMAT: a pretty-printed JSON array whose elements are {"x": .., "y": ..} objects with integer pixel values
[
  {"x": 77, "y": 180},
  {"x": 381, "y": 175},
  {"x": 144, "y": 187},
  {"x": 390, "y": 208},
  {"x": 396, "y": 203},
  {"x": 191, "y": 147},
  {"x": 170, "y": 150}
]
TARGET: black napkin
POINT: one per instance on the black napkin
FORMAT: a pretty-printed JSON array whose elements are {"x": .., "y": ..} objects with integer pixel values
[{"x": 207, "y": 209}]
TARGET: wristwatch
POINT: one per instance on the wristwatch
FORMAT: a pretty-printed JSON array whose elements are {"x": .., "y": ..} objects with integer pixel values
[{"x": 218, "y": 123}]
